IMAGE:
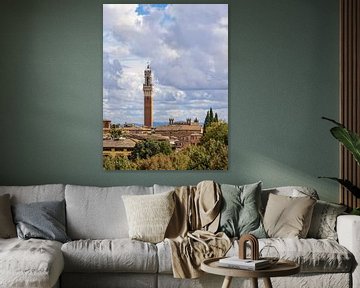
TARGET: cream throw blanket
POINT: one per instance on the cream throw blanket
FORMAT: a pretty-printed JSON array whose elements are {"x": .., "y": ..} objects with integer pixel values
[{"x": 191, "y": 231}]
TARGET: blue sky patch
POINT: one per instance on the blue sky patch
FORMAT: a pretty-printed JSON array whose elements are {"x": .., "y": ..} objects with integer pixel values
[{"x": 142, "y": 9}]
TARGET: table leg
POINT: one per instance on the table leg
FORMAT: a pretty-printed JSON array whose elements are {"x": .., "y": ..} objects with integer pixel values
[
  {"x": 227, "y": 282},
  {"x": 254, "y": 282},
  {"x": 267, "y": 283}
]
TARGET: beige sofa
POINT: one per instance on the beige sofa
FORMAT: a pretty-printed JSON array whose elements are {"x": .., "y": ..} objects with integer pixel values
[{"x": 101, "y": 254}]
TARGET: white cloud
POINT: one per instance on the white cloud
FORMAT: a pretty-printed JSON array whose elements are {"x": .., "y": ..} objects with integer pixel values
[{"x": 187, "y": 45}]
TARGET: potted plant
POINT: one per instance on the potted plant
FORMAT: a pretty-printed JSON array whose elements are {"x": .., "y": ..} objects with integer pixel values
[{"x": 351, "y": 141}]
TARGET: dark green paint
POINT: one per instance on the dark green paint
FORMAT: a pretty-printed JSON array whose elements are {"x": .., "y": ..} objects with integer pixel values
[{"x": 283, "y": 75}]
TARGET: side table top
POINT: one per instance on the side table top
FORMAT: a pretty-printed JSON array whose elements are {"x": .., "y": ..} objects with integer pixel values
[{"x": 281, "y": 268}]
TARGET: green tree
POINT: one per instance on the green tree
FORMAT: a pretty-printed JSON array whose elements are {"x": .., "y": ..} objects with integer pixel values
[
  {"x": 217, "y": 131},
  {"x": 148, "y": 148},
  {"x": 211, "y": 115},
  {"x": 218, "y": 152},
  {"x": 156, "y": 162},
  {"x": 174, "y": 161},
  {"x": 207, "y": 120},
  {"x": 199, "y": 158},
  {"x": 118, "y": 163},
  {"x": 115, "y": 132},
  {"x": 210, "y": 118},
  {"x": 212, "y": 155},
  {"x": 180, "y": 160}
]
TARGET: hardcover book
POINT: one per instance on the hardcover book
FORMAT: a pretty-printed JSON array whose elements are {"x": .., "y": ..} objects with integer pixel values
[{"x": 249, "y": 264}]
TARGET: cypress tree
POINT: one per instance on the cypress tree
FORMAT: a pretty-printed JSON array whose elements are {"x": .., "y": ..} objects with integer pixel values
[{"x": 211, "y": 116}]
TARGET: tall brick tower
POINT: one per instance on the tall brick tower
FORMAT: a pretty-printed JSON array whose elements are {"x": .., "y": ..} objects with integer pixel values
[{"x": 148, "y": 98}]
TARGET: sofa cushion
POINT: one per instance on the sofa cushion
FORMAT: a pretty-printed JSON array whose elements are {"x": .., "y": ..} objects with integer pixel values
[
  {"x": 313, "y": 255},
  {"x": 7, "y": 226},
  {"x": 163, "y": 188},
  {"x": 98, "y": 213},
  {"x": 323, "y": 222},
  {"x": 117, "y": 255},
  {"x": 43, "y": 220},
  {"x": 36, "y": 193},
  {"x": 240, "y": 210},
  {"x": 149, "y": 215},
  {"x": 287, "y": 216},
  {"x": 30, "y": 263},
  {"x": 291, "y": 191}
]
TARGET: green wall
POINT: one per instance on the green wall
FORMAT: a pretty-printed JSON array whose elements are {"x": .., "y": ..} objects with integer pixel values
[{"x": 283, "y": 75}]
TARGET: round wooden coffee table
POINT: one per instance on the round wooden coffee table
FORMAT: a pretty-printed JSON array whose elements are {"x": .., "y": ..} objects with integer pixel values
[{"x": 281, "y": 268}]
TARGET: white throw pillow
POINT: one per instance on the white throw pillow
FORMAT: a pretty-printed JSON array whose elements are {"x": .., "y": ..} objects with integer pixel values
[{"x": 149, "y": 215}]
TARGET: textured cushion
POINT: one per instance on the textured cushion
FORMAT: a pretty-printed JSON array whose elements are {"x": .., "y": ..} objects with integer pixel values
[
  {"x": 287, "y": 216},
  {"x": 31, "y": 263},
  {"x": 323, "y": 222},
  {"x": 98, "y": 213},
  {"x": 36, "y": 193},
  {"x": 117, "y": 255},
  {"x": 240, "y": 210},
  {"x": 149, "y": 215},
  {"x": 44, "y": 220},
  {"x": 7, "y": 227},
  {"x": 313, "y": 255}
]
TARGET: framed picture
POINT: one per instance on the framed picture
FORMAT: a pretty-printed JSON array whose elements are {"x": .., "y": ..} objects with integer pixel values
[{"x": 165, "y": 86}]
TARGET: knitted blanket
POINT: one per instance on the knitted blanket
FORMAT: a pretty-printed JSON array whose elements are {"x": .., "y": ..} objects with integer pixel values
[{"x": 191, "y": 232}]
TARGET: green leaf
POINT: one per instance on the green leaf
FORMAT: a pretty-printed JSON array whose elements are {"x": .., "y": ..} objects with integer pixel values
[
  {"x": 333, "y": 121},
  {"x": 348, "y": 138},
  {"x": 355, "y": 211},
  {"x": 347, "y": 184}
]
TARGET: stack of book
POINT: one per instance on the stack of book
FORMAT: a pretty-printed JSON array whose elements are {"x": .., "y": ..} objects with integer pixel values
[{"x": 248, "y": 264}]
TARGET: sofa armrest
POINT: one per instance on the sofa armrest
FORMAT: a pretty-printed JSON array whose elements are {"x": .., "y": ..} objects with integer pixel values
[{"x": 348, "y": 230}]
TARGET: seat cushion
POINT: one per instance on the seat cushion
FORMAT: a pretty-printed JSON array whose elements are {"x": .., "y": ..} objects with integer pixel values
[
  {"x": 313, "y": 255},
  {"x": 117, "y": 255},
  {"x": 30, "y": 263}
]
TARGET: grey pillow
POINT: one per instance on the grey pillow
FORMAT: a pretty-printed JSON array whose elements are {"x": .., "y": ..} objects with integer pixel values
[
  {"x": 44, "y": 220},
  {"x": 323, "y": 222},
  {"x": 240, "y": 213},
  {"x": 7, "y": 227}
]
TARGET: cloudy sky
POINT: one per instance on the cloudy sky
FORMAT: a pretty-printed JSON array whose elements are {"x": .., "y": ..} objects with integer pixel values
[{"x": 187, "y": 48}]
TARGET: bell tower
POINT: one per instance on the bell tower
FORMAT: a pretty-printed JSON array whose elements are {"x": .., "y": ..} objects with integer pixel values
[{"x": 148, "y": 97}]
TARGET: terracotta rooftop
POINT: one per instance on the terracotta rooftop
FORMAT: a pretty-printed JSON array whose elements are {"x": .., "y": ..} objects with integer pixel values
[
  {"x": 122, "y": 143},
  {"x": 178, "y": 128},
  {"x": 150, "y": 137}
]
